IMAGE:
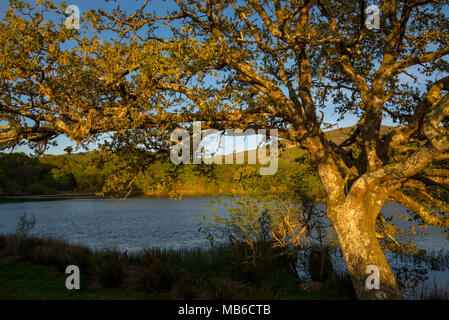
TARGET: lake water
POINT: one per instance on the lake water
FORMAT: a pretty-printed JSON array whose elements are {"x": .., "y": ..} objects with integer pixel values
[
  {"x": 137, "y": 223},
  {"x": 130, "y": 224}
]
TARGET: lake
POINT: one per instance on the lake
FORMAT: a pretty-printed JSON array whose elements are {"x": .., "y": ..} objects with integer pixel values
[
  {"x": 130, "y": 224},
  {"x": 137, "y": 223}
]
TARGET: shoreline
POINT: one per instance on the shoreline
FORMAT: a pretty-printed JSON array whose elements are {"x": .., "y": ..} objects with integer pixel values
[
  {"x": 47, "y": 197},
  {"x": 67, "y": 196}
]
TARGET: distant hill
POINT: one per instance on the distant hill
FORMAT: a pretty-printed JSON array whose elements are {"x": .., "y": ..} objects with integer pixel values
[
  {"x": 336, "y": 135},
  {"x": 341, "y": 134}
]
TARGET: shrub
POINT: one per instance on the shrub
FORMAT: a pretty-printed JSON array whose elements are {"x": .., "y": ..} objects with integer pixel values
[
  {"x": 109, "y": 267},
  {"x": 155, "y": 274},
  {"x": 320, "y": 264},
  {"x": 25, "y": 225},
  {"x": 261, "y": 229},
  {"x": 37, "y": 188},
  {"x": 186, "y": 287},
  {"x": 21, "y": 247}
]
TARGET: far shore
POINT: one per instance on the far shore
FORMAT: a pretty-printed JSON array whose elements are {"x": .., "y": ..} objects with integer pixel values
[
  {"x": 80, "y": 195},
  {"x": 187, "y": 193}
]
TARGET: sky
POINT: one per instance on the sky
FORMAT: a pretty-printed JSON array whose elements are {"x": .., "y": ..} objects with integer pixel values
[{"x": 211, "y": 142}]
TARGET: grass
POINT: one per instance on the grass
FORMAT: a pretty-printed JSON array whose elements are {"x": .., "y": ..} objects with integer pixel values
[
  {"x": 26, "y": 281},
  {"x": 33, "y": 268}
]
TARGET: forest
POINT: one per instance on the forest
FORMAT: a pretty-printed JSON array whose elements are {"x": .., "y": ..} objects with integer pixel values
[{"x": 90, "y": 173}]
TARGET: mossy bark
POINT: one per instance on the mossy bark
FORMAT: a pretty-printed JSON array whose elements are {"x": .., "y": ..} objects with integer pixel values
[{"x": 356, "y": 234}]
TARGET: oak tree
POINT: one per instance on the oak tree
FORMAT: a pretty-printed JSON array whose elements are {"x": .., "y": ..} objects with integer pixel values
[{"x": 253, "y": 64}]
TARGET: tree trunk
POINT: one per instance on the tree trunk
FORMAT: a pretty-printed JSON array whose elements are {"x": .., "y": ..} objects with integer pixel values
[{"x": 355, "y": 228}]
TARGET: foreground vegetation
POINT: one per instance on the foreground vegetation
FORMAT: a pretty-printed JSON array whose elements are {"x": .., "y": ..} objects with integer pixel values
[
  {"x": 33, "y": 268},
  {"x": 28, "y": 281}
]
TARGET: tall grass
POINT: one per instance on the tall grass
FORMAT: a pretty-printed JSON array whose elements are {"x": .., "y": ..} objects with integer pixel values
[
  {"x": 434, "y": 292},
  {"x": 219, "y": 272}
]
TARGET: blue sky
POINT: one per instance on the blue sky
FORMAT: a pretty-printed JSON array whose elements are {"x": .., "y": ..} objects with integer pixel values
[{"x": 160, "y": 6}]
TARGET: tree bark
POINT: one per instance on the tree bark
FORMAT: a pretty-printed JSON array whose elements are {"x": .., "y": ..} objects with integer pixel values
[{"x": 355, "y": 228}]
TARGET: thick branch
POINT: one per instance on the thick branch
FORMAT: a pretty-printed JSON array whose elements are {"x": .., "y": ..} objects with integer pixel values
[{"x": 426, "y": 214}]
